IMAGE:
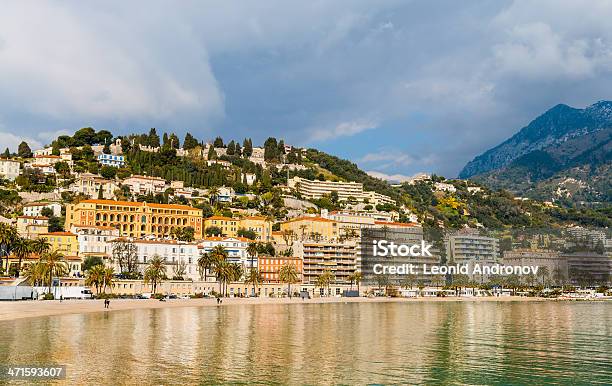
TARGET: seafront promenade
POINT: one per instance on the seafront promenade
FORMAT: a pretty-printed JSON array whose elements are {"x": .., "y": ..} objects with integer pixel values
[{"x": 30, "y": 309}]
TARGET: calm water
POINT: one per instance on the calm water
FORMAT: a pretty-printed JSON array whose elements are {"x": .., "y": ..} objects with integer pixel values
[{"x": 435, "y": 342}]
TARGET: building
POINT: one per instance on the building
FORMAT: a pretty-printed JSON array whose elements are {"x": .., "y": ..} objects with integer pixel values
[
  {"x": 347, "y": 191},
  {"x": 145, "y": 184},
  {"x": 227, "y": 225},
  {"x": 181, "y": 257},
  {"x": 312, "y": 228},
  {"x": 468, "y": 247},
  {"x": 236, "y": 248},
  {"x": 47, "y": 159},
  {"x": 399, "y": 234},
  {"x": 589, "y": 268},
  {"x": 258, "y": 224},
  {"x": 269, "y": 267},
  {"x": 135, "y": 219},
  {"x": 65, "y": 243},
  {"x": 94, "y": 240},
  {"x": 9, "y": 169},
  {"x": 445, "y": 187},
  {"x": 90, "y": 185},
  {"x": 34, "y": 209},
  {"x": 111, "y": 160},
  {"x": 319, "y": 257},
  {"x": 31, "y": 227},
  {"x": 555, "y": 265}
]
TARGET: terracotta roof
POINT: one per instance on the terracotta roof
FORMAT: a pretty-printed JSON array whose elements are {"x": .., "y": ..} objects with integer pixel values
[
  {"x": 47, "y": 156},
  {"x": 398, "y": 224},
  {"x": 58, "y": 234},
  {"x": 35, "y": 217},
  {"x": 134, "y": 203},
  {"x": 255, "y": 218},
  {"x": 221, "y": 218},
  {"x": 304, "y": 218}
]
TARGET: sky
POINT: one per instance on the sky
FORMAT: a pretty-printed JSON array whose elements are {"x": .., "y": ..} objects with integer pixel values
[{"x": 398, "y": 87}]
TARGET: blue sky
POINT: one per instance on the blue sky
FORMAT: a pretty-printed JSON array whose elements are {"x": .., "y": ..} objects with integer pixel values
[{"x": 399, "y": 87}]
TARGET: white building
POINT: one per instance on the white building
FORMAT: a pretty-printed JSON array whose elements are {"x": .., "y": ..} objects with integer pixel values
[
  {"x": 35, "y": 208},
  {"x": 9, "y": 169},
  {"x": 90, "y": 185},
  {"x": 178, "y": 255},
  {"x": 236, "y": 248},
  {"x": 111, "y": 160},
  {"x": 313, "y": 189},
  {"x": 145, "y": 184},
  {"x": 94, "y": 240},
  {"x": 467, "y": 246},
  {"x": 444, "y": 187}
]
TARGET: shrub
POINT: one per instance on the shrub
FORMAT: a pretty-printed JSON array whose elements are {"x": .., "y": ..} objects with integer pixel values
[{"x": 48, "y": 296}]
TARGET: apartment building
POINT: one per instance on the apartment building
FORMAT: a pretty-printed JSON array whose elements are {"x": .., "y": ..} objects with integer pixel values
[
  {"x": 31, "y": 227},
  {"x": 468, "y": 247},
  {"x": 65, "y": 243},
  {"x": 319, "y": 257},
  {"x": 555, "y": 264},
  {"x": 230, "y": 226},
  {"x": 111, "y": 160},
  {"x": 135, "y": 219},
  {"x": 236, "y": 248},
  {"x": 145, "y": 184},
  {"x": 346, "y": 190},
  {"x": 9, "y": 169},
  {"x": 34, "y": 209},
  {"x": 94, "y": 240},
  {"x": 269, "y": 267},
  {"x": 90, "y": 184},
  {"x": 181, "y": 257},
  {"x": 312, "y": 228}
]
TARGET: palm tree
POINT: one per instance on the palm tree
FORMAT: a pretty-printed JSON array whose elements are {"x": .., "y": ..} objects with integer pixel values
[
  {"x": 224, "y": 272},
  {"x": 213, "y": 193},
  {"x": 324, "y": 280},
  {"x": 109, "y": 275},
  {"x": 254, "y": 277},
  {"x": 95, "y": 277},
  {"x": 288, "y": 273},
  {"x": 8, "y": 234},
  {"x": 252, "y": 251},
  {"x": 357, "y": 277},
  {"x": 40, "y": 246},
  {"x": 205, "y": 263},
  {"x": 543, "y": 273},
  {"x": 155, "y": 271},
  {"x": 54, "y": 266},
  {"x": 35, "y": 273},
  {"x": 22, "y": 248}
]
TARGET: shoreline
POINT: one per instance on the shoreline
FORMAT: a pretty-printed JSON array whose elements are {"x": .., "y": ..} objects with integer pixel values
[{"x": 11, "y": 310}]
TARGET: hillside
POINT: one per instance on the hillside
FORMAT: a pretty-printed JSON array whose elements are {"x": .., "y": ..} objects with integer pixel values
[{"x": 564, "y": 155}]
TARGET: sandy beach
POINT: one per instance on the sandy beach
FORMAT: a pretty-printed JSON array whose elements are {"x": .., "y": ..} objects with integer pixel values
[{"x": 35, "y": 308}]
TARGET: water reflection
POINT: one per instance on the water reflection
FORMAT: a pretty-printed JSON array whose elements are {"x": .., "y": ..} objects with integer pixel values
[{"x": 425, "y": 342}]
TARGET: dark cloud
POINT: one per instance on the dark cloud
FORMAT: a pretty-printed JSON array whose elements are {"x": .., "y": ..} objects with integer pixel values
[{"x": 430, "y": 83}]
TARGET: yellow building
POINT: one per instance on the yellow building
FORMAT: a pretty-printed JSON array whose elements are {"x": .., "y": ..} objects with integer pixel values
[
  {"x": 31, "y": 227},
  {"x": 228, "y": 225},
  {"x": 311, "y": 228},
  {"x": 258, "y": 224},
  {"x": 135, "y": 219},
  {"x": 65, "y": 243}
]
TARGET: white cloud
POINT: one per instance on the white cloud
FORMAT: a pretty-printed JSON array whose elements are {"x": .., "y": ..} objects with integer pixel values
[
  {"x": 395, "y": 157},
  {"x": 12, "y": 141},
  {"x": 389, "y": 177},
  {"x": 343, "y": 129}
]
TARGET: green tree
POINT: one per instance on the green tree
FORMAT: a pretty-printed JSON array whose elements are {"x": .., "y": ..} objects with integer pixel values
[
  {"x": 22, "y": 248},
  {"x": 54, "y": 266},
  {"x": 218, "y": 142},
  {"x": 94, "y": 277},
  {"x": 324, "y": 280},
  {"x": 155, "y": 271},
  {"x": 35, "y": 273},
  {"x": 189, "y": 142},
  {"x": 289, "y": 274},
  {"x": 91, "y": 261},
  {"x": 254, "y": 278},
  {"x": 108, "y": 172},
  {"x": 8, "y": 235},
  {"x": 23, "y": 150},
  {"x": 205, "y": 263}
]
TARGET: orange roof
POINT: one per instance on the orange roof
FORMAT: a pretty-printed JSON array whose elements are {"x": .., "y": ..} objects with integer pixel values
[
  {"x": 221, "y": 218},
  {"x": 254, "y": 218},
  {"x": 58, "y": 234},
  {"x": 218, "y": 238},
  {"x": 398, "y": 224},
  {"x": 134, "y": 203},
  {"x": 35, "y": 217},
  {"x": 72, "y": 258},
  {"x": 305, "y": 218}
]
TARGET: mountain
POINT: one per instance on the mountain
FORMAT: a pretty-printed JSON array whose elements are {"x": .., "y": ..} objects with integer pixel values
[{"x": 564, "y": 154}]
